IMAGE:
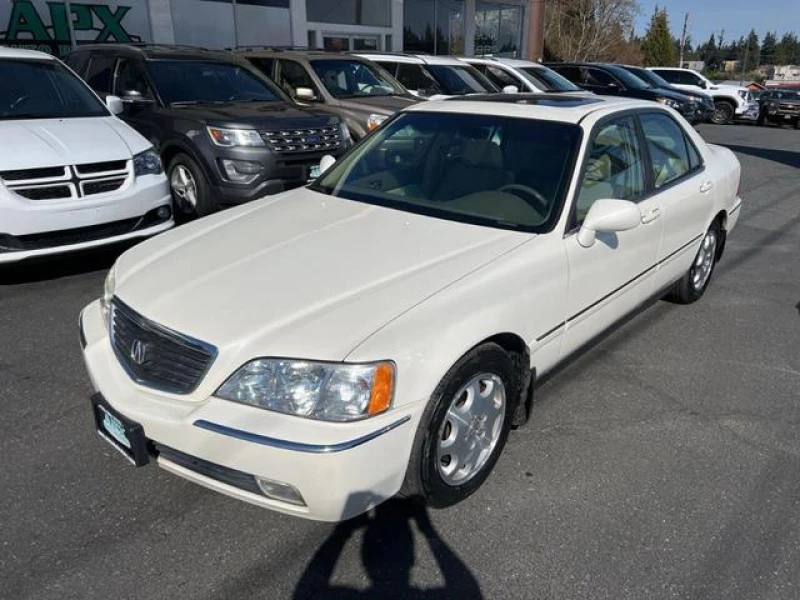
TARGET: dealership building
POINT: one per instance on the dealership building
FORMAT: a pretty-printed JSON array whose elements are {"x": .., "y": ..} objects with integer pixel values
[{"x": 460, "y": 27}]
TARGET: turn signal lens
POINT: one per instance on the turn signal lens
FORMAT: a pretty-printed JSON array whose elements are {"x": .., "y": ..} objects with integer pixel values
[{"x": 382, "y": 389}]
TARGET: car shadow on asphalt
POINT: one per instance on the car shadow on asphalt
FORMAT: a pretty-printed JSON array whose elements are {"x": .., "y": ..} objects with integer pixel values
[
  {"x": 786, "y": 157},
  {"x": 64, "y": 265},
  {"x": 388, "y": 552}
]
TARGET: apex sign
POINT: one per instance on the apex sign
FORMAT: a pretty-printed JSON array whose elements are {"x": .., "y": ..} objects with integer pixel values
[{"x": 33, "y": 23}]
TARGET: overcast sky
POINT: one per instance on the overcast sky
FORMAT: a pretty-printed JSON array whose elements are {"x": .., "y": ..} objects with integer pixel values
[{"x": 736, "y": 17}]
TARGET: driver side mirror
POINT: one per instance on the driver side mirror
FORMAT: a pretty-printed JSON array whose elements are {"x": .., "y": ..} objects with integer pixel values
[
  {"x": 511, "y": 89},
  {"x": 114, "y": 105},
  {"x": 608, "y": 216},
  {"x": 304, "y": 93},
  {"x": 135, "y": 97},
  {"x": 325, "y": 163},
  {"x": 703, "y": 84}
]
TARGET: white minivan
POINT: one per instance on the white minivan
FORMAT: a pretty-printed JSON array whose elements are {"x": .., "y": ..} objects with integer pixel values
[{"x": 72, "y": 175}]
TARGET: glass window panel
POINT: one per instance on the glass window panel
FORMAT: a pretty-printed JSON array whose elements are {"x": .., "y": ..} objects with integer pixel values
[
  {"x": 375, "y": 13},
  {"x": 434, "y": 26}
]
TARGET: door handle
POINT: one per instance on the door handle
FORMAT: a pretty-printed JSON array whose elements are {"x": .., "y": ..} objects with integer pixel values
[
  {"x": 650, "y": 215},
  {"x": 706, "y": 186}
]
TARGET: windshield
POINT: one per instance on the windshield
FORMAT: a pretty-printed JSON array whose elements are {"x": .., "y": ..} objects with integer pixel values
[
  {"x": 457, "y": 80},
  {"x": 628, "y": 79},
  {"x": 354, "y": 79},
  {"x": 548, "y": 80},
  {"x": 44, "y": 89},
  {"x": 190, "y": 81},
  {"x": 786, "y": 95},
  {"x": 509, "y": 173}
]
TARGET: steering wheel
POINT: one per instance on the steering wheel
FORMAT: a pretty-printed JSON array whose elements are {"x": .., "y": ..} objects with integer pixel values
[{"x": 532, "y": 196}]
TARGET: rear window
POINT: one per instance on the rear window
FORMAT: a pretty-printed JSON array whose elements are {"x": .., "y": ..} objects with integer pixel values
[
  {"x": 457, "y": 80},
  {"x": 548, "y": 80}
]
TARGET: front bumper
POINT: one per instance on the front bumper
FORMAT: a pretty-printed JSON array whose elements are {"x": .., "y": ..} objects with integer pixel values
[
  {"x": 747, "y": 112},
  {"x": 340, "y": 469},
  {"x": 35, "y": 228}
]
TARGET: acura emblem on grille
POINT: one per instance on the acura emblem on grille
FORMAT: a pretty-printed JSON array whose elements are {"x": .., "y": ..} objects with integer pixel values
[{"x": 139, "y": 352}]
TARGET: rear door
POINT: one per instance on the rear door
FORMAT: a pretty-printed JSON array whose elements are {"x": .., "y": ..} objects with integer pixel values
[
  {"x": 614, "y": 275},
  {"x": 601, "y": 82},
  {"x": 685, "y": 191}
]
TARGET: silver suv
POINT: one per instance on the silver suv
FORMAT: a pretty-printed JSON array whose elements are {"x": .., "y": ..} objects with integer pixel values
[{"x": 524, "y": 75}]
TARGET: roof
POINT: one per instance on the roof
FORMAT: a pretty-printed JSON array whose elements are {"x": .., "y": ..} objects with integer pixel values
[
  {"x": 548, "y": 107},
  {"x": 511, "y": 62},
  {"x": 156, "y": 51},
  {"x": 6, "y": 52},
  {"x": 295, "y": 53}
]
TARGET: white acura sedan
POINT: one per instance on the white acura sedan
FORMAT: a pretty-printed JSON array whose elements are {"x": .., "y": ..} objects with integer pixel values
[{"x": 381, "y": 330}]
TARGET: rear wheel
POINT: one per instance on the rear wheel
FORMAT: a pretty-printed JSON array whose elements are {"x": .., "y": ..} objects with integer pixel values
[
  {"x": 762, "y": 119},
  {"x": 464, "y": 428},
  {"x": 723, "y": 112},
  {"x": 191, "y": 196},
  {"x": 696, "y": 280}
]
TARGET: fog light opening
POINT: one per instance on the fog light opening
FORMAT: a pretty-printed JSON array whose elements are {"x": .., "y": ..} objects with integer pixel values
[
  {"x": 163, "y": 213},
  {"x": 283, "y": 492},
  {"x": 241, "y": 171}
]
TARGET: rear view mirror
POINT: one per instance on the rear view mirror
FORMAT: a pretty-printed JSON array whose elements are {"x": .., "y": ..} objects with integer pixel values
[
  {"x": 304, "y": 93},
  {"x": 511, "y": 89},
  {"x": 608, "y": 216},
  {"x": 114, "y": 105}
]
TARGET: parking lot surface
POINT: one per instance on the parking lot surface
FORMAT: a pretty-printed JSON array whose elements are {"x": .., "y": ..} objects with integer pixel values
[{"x": 663, "y": 463}]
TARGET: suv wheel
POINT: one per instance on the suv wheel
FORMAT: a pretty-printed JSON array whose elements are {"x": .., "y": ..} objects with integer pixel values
[
  {"x": 723, "y": 112},
  {"x": 191, "y": 197}
]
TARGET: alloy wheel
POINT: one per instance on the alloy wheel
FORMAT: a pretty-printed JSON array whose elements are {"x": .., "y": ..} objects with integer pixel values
[{"x": 184, "y": 189}]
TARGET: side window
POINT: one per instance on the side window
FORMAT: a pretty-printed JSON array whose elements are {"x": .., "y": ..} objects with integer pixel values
[
  {"x": 265, "y": 65},
  {"x": 695, "y": 161},
  {"x": 668, "y": 148},
  {"x": 670, "y": 76},
  {"x": 98, "y": 74},
  {"x": 500, "y": 77},
  {"x": 292, "y": 75},
  {"x": 598, "y": 77},
  {"x": 571, "y": 73},
  {"x": 391, "y": 67},
  {"x": 130, "y": 79},
  {"x": 692, "y": 79},
  {"x": 613, "y": 168},
  {"x": 415, "y": 78},
  {"x": 77, "y": 61}
]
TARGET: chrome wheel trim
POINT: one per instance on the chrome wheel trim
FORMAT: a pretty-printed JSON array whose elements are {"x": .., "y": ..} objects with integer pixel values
[
  {"x": 184, "y": 188},
  {"x": 704, "y": 263},
  {"x": 722, "y": 113},
  {"x": 471, "y": 429}
]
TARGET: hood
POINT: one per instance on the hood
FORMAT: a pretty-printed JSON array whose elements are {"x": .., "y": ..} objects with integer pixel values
[
  {"x": 301, "y": 274},
  {"x": 688, "y": 93},
  {"x": 676, "y": 95},
  {"x": 57, "y": 142},
  {"x": 382, "y": 105},
  {"x": 258, "y": 115}
]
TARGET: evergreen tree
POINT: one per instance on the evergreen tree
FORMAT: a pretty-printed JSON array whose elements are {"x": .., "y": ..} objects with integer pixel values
[
  {"x": 709, "y": 53},
  {"x": 787, "y": 51},
  {"x": 658, "y": 45},
  {"x": 768, "y": 47},
  {"x": 750, "y": 52}
]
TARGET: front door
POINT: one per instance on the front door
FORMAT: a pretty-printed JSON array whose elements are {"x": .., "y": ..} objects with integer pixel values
[
  {"x": 615, "y": 274},
  {"x": 131, "y": 84}
]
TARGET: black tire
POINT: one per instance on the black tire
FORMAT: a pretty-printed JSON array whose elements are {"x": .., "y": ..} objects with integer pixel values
[
  {"x": 797, "y": 123},
  {"x": 204, "y": 203},
  {"x": 724, "y": 111},
  {"x": 687, "y": 289},
  {"x": 762, "y": 119},
  {"x": 423, "y": 481}
]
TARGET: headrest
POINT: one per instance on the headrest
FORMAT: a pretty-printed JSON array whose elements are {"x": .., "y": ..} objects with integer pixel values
[{"x": 482, "y": 153}]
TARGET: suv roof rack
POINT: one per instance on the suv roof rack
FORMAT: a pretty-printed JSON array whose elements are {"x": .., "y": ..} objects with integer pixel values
[{"x": 251, "y": 47}]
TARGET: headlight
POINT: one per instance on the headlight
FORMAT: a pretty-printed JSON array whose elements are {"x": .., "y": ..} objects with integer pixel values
[
  {"x": 109, "y": 287},
  {"x": 323, "y": 391},
  {"x": 670, "y": 102},
  {"x": 374, "y": 121},
  {"x": 234, "y": 137},
  {"x": 147, "y": 163}
]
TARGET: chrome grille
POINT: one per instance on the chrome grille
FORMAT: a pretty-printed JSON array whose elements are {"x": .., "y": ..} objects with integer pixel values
[
  {"x": 68, "y": 182},
  {"x": 790, "y": 107},
  {"x": 155, "y": 356},
  {"x": 288, "y": 141}
]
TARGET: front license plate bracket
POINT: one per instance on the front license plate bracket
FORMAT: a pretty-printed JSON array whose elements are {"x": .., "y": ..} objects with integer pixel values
[{"x": 124, "y": 435}]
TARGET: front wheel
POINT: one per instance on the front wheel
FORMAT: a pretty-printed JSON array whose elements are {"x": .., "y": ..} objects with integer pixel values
[
  {"x": 723, "y": 112},
  {"x": 464, "y": 428},
  {"x": 696, "y": 280},
  {"x": 191, "y": 195}
]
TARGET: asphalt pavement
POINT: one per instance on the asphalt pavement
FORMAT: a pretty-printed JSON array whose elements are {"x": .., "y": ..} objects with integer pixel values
[{"x": 664, "y": 463}]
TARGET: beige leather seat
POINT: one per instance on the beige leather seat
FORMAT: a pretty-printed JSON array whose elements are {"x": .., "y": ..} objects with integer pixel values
[{"x": 481, "y": 168}]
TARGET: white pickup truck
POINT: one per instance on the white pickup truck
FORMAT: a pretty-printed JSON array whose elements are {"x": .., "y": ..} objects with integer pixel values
[{"x": 730, "y": 101}]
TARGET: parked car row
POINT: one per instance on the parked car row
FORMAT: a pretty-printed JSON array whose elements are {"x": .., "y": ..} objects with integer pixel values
[{"x": 220, "y": 128}]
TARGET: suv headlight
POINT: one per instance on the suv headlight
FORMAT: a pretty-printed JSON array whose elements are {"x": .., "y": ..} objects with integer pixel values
[
  {"x": 375, "y": 121},
  {"x": 147, "y": 163},
  {"x": 670, "y": 102},
  {"x": 316, "y": 390},
  {"x": 228, "y": 138}
]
